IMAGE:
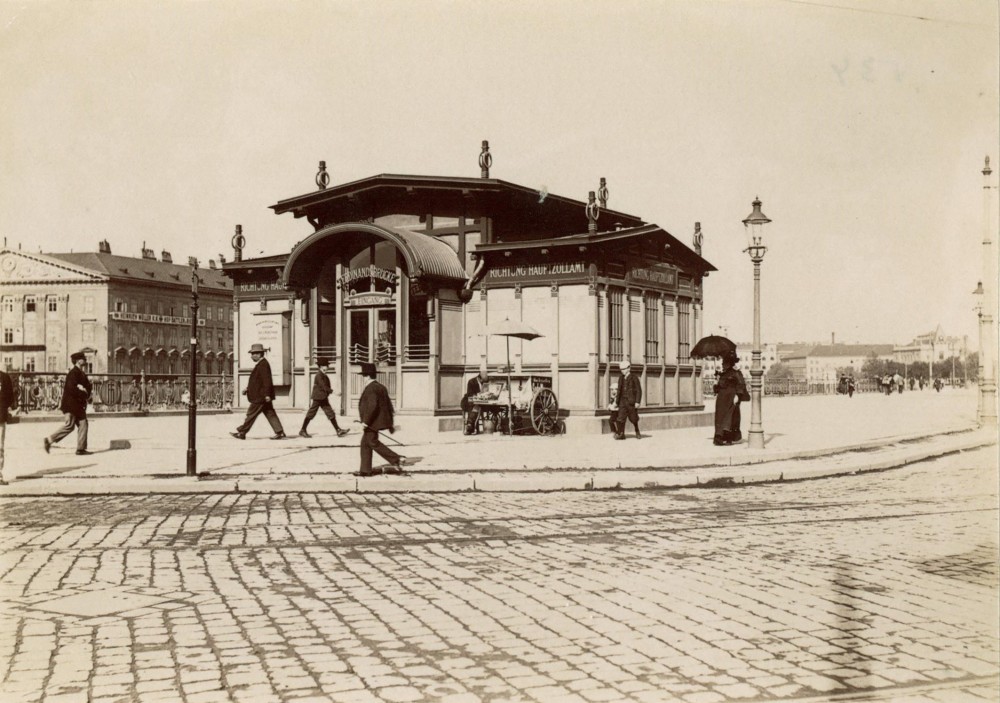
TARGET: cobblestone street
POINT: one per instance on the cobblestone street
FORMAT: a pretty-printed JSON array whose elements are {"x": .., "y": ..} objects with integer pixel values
[{"x": 879, "y": 584}]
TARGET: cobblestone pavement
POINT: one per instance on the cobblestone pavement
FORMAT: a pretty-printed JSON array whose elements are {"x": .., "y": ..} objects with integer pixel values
[{"x": 879, "y": 586}]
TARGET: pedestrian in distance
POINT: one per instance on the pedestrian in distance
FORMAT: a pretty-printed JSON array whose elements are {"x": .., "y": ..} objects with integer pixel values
[
  {"x": 850, "y": 386},
  {"x": 376, "y": 413},
  {"x": 8, "y": 401},
  {"x": 897, "y": 380},
  {"x": 628, "y": 398},
  {"x": 320, "y": 398},
  {"x": 260, "y": 393},
  {"x": 730, "y": 391},
  {"x": 76, "y": 395}
]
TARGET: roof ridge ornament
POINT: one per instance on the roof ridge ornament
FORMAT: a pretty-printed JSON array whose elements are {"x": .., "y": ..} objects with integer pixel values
[
  {"x": 602, "y": 194},
  {"x": 593, "y": 211},
  {"x": 322, "y": 177},
  {"x": 485, "y": 160},
  {"x": 238, "y": 242}
]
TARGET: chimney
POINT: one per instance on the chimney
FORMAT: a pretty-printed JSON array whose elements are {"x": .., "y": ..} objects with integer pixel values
[
  {"x": 602, "y": 193},
  {"x": 148, "y": 253},
  {"x": 833, "y": 338},
  {"x": 222, "y": 259},
  {"x": 192, "y": 262},
  {"x": 103, "y": 247},
  {"x": 165, "y": 257},
  {"x": 211, "y": 264}
]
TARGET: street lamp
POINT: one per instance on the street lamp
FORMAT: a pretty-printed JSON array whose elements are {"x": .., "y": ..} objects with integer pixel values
[
  {"x": 753, "y": 225},
  {"x": 192, "y": 453},
  {"x": 978, "y": 294}
]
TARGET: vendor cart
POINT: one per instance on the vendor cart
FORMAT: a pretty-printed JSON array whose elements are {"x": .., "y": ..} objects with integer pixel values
[{"x": 523, "y": 404}]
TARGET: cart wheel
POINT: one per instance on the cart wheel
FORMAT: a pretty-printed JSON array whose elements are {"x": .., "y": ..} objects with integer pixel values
[{"x": 544, "y": 409}]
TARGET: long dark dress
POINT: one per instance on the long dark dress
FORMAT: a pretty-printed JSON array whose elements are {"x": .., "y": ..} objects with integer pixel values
[{"x": 727, "y": 413}]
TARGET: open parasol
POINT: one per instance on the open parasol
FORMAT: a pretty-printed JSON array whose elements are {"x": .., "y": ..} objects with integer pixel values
[
  {"x": 512, "y": 328},
  {"x": 713, "y": 345}
]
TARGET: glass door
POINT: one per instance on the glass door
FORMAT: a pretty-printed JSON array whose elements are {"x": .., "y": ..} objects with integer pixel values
[{"x": 371, "y": 338}]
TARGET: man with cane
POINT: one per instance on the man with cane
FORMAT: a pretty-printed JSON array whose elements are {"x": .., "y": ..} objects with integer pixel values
[{"x": 375, "y": 409}]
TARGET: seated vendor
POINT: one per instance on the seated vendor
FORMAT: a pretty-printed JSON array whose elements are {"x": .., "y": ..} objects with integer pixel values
[{"x": 476, "y": 385}]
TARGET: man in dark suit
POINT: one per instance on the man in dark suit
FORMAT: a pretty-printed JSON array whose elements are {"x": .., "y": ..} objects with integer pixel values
[
  {"x": 375, "y": 409},
  {"x": 8, "y": 401},
  {"x": 260, "y": 393},
  {"x": 475, "y": 386},
  {"x": 76, "y": 395},
  {"x": 628, "y": 398},
  {"x": 321, "y": 399}
]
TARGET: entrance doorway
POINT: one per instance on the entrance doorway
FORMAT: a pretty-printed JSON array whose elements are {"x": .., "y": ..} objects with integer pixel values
[{"x": 371, "y": 337}]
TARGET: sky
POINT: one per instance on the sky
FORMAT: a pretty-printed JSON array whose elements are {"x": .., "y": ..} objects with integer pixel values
[{"x": 861, "y": 125}]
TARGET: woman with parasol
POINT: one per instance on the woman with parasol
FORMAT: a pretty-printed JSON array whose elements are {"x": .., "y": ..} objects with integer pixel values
[{"x": 729, "y": 391}]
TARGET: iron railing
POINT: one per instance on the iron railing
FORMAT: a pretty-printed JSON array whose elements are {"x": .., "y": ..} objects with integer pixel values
[
  {"x": 790, "y": 386},
  {"x": 42, "y": 392}
]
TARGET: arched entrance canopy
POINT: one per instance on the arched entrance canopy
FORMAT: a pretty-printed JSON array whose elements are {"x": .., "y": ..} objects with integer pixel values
[{"x": 425, "y": 256}]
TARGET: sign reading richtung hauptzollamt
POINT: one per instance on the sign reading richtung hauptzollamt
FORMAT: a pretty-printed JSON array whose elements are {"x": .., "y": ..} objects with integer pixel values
[
  {"x": 520, "y": 273},
  {"x": 654, "y": 275}
]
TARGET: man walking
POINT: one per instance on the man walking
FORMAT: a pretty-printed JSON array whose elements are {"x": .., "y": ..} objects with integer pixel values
[
  {"x": 628, "y": 398},
  {"x": 260, "y": 393},
  {"x": 375, "y": 409},
  {"x": 8, "y": 401},
  {"x": 76, "y": 395},
  {"x": 321, "y": 399}
]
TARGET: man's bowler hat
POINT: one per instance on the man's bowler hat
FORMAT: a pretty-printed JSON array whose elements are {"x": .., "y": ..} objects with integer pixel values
[
  {"x": 367, "y": 369},
  {"x": 77, "y": 356}
]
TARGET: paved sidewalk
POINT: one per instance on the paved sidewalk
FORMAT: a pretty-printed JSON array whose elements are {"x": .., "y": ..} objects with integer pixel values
[{"x": 867, "y": 432}]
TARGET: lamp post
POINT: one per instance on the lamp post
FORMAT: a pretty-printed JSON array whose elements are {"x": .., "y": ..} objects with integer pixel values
[
  {"x": 987, "y": 320},
  {"x": 978, "y": 294},
  {"x": 192, "y": 453},
  {"x": 753, "y": 225}
]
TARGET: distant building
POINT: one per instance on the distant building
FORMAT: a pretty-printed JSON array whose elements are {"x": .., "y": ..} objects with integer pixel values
[
  {"x": 823, "y": 362},
  {"x": 930, "y": 346},
  {"x": 129, "y": 314}
]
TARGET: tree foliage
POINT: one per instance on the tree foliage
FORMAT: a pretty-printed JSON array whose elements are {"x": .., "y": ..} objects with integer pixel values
[{"x": 779, "y": 371}]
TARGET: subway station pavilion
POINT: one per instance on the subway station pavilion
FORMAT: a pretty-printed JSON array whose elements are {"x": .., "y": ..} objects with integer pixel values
[{"x": 410, "y": 272}]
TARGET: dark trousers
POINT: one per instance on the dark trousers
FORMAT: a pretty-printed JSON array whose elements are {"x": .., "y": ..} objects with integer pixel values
[
  {"x": 369, "y": 443},
  {"x": 314, "y": 408},
  {"x": 625, "y": 413},
  {"x": 69, "y": 422},
  {"x": 254, "y": 411}
]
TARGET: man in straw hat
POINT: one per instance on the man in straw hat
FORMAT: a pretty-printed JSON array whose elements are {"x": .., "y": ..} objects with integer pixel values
[
  {"x": 375, "y": 409},
  {"x": 260, "y": 393},
  {"x": 628, "y": 398},
  {"x": 76, "y": 395}
]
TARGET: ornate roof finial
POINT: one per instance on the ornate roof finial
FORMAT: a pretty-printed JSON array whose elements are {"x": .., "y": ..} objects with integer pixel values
[
  {"x": 322, "y": 177},
  {"x": 238, "y": 241},
  {"x": 602, "y": 194},
  {"x": 593, "y": 212},
  {"x": 986, "y": 169},
  {"x": 698, "y": 238},
  {"x": 485, "y": 160}
]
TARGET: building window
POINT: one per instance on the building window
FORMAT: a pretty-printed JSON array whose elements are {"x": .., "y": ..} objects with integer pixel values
[
  {"x": 683, "y": 332},
  {"x": 53, "y": 305},
  {"x": 88, "y": 331},
  {"x": 29, "y": 364},
  {"x": 209, "y": 312},
  {"x": 8, "y": 305},
  {"x": 652, "y": 329},
  {"x": 121, "y": 306},
  {"x": 53, "y": 364},
  {"x": 8, "y": 363},
  {"x": 616, "y": 325},
  {"x": 29, "y": 304},
  {"x": 8, "y": 335}
]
